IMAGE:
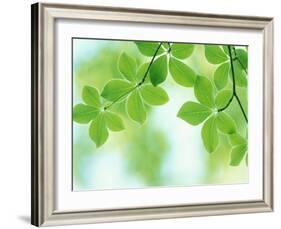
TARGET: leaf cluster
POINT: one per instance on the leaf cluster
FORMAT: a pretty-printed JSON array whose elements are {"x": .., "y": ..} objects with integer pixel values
[
  {"x": 140, "y": 87},
  {"x": 213, "y": 100}
]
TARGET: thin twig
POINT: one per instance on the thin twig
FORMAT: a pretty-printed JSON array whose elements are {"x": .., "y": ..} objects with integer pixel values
[
  {"x": 152, "y": 60},
  {"x": 139, "y": 84},
  {"x": 239, "y": 61},
  {"x": 234, "y": 94}
]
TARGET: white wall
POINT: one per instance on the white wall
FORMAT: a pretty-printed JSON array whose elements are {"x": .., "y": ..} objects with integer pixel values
[{"x": 15, "y": 112}]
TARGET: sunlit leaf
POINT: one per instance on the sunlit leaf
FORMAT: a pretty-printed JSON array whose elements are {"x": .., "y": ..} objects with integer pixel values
[
  {"x": 98, "y": 130},
  {"x": 142, "y": 70},
  {"x": 237, "y": 154},
  {"x": 154, "y": 95},
  {"x": 165, "y": 45},
  {"x": 90, "y": 96},
  {"x": 239, "y": 148},
  {"x": 181, "y": 73},
  {"x": 148, "y": 48},
  {"x": 204, "y": 91},
  {"x": 236, "y": 139},
  {"x": 127, "y": 66},
  {"x": 116, "y": 88},
  {"x": 209, "y": 135},
  {"x": 225, "y": 49},
  {"x": 84, "y": 113},
  {"x": 193, "y": 113},
  {"x": 225, "y": 123},
  {"x": 158, "y": 70},
  {"x": 135, "y": 107},
  {"x": 182, "y": 51},
  {"x": 223, "y": 98},
  {"x": 113, "y": 121},
  {"x": 221, "y": 76},
  {"x": 243, "y": 57},
  {"x": 240, "y": 75},
  {"x": 214, "y": 54}
]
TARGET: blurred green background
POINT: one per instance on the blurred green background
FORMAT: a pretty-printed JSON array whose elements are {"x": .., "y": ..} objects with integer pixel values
[{"x": 165, "y": 151}]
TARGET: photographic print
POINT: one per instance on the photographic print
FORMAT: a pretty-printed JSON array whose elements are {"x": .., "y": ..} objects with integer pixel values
[
  {"x": 161, "y": 115},
  {"x": 158, "y": 114}
]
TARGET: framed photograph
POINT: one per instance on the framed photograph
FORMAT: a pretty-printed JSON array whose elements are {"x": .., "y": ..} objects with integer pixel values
[{"x": 145, "y": 114}]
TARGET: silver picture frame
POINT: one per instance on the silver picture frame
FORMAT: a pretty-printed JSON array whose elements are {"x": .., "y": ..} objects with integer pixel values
[{"x": 43, "y": 119}]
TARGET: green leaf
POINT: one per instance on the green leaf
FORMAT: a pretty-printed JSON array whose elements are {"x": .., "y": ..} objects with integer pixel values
[
  {"x": 116, "y": 88},
  {"x": 239, "y": 149},
  {"x": 214, "y": 54},
  {"x": 148, "y": 48},
  {"x": 194, "y": 113},
  {"x": 90, "y": 96},
  {"x": 127, "y": 66},
  {"x": 135, "y": 107},
  {"x": 98, "y": 130},
  {"x": 182, "y": 51},
  {"x": 154, "y": 95},
  {"x": 223, "y": 98},
  {"x": 142, "y": 71},
  {"x": 113, "y": 121},
  {"x": 236, "y": 139},
  {"x": 225, "y": 123},
  {"x": 240, "y": 75},
  {"x": 237, "y": 154},
  {"x": 84, "y": 113},
  {"x": 158, "y": 70},
  {"x": 221, "y": 76},
  {"x": 225, "y": 49},
  {"x": 181, "y": 73},
  {"x": 165, "y": 45},
  {"x": 243, "y": 57},
  {"x": 209, "y": 135},
  {"x": 203, "y": 91}
]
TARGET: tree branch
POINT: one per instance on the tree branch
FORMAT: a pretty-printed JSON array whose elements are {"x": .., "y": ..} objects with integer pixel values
[
  {"x": 140, "y": 83},
  {"x": 228, "y": 103},
  {"x": 239, "y": 61},
  {"x": 234, "y": 94},
  {"x": 152, "y": 60},
  {"x": 241, "y": 107}
]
